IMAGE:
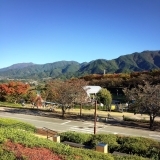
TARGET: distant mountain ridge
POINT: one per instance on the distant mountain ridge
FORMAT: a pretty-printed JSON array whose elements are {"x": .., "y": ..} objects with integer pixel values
[
  {"x": 17, "y": 66},
  {"x": 146, "y": 60}
]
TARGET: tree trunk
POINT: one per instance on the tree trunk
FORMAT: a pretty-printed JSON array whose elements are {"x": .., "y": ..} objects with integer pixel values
[
  {"x": 81, "y": 110},
  {"x": 151, "y": 122},
  {"x": 63, "y": 111},
  {"x": 110, "y": 108}
]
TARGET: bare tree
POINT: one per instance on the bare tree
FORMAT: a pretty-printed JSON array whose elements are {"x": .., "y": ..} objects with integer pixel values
[{"x": 146, "y": 99}]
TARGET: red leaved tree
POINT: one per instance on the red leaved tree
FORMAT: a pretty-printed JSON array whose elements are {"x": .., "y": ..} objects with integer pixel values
[{"x": 13, "y": 91}]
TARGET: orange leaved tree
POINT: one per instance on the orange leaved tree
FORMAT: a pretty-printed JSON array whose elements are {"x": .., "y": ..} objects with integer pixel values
[{"x": 13, "y": 91}]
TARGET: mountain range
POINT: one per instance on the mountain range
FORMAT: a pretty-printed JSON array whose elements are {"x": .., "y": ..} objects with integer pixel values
[{"x": 144, "y": 61}]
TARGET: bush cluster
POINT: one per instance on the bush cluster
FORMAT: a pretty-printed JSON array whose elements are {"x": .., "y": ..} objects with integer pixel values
[{"x": 130, "y": 145}]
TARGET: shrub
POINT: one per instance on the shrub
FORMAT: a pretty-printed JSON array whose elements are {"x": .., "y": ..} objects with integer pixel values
[
  {"x": 81, "y": 138},
  {"x": 139, "y": 145},
  {"x": 109, "y": 139},
  {"x": 6, "y": 155}
]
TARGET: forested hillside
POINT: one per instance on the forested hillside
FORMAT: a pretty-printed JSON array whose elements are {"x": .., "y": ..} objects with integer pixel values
[{"x": 144, "y": 61}]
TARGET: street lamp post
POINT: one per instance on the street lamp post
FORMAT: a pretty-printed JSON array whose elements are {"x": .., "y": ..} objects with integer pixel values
[{"x": 95, "y": 116}]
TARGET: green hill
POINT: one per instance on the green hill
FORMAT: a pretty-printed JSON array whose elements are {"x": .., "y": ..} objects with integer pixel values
[{"x": 144, "y": 61}]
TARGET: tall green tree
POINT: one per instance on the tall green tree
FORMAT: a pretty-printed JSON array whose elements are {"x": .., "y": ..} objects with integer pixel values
[{"x": 104, "y": 96}]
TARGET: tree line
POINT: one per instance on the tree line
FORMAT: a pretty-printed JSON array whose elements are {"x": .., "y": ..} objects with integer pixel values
[{"x": 143, "y": 93}]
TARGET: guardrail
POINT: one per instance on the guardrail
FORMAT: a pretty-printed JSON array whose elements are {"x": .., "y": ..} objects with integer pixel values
[{"x": 49, "y": 132}]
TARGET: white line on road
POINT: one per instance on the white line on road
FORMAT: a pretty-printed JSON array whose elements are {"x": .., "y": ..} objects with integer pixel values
[
  {"x": 84, "y": 130},
  {"x": 65, "y": 122},
  {"x": 88, "y": 123},
  {"x": 92, "y": 124}
]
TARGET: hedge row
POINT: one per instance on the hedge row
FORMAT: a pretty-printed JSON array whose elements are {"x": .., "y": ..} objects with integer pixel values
[{"x": 131, "y": 145}]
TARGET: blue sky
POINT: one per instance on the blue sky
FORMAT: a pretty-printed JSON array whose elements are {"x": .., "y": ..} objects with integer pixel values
[{"x": 46, "y": 31}]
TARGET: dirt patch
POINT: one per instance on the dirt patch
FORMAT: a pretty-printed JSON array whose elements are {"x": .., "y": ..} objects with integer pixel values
[{"x": 20, "y": 151}]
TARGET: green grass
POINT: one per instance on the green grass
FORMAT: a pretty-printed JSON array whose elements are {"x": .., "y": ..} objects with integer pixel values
[
  {"x": 12, "y": 123},
  {"x": 7, "y": 104}
]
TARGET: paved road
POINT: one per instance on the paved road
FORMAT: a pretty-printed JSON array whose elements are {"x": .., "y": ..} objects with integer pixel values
[{"x": 61, "y": 125}]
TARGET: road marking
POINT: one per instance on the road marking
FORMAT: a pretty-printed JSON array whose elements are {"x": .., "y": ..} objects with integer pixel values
[
  {"x": 88, "y": 123},
  {"x": 65, "y": 122},
  {"x": 84, "y": 130},
  {"x": 92, "y": 124}
]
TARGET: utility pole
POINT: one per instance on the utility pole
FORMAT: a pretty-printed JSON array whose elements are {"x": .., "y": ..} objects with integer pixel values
[{"x": 95, "y": 116}]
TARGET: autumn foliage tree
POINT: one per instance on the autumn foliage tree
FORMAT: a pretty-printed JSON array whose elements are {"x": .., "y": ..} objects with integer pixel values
[
  {"x": 146, "y": 99},
  {"x": 65, "y": 93},
  {"x": 13, "y": 91},
  {"x": 31, "y": 95},
  {"x": 3, "y": 91}
]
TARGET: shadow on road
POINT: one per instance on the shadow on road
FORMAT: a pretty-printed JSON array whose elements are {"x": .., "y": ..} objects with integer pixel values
[{"x": 72, "y": 116}]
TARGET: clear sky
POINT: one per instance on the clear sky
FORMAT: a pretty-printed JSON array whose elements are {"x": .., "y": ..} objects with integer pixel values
[{"x": 46, "y": 31}]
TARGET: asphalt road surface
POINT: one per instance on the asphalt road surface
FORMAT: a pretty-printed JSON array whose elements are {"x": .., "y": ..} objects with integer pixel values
[{"x": 61, "y": 125}]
